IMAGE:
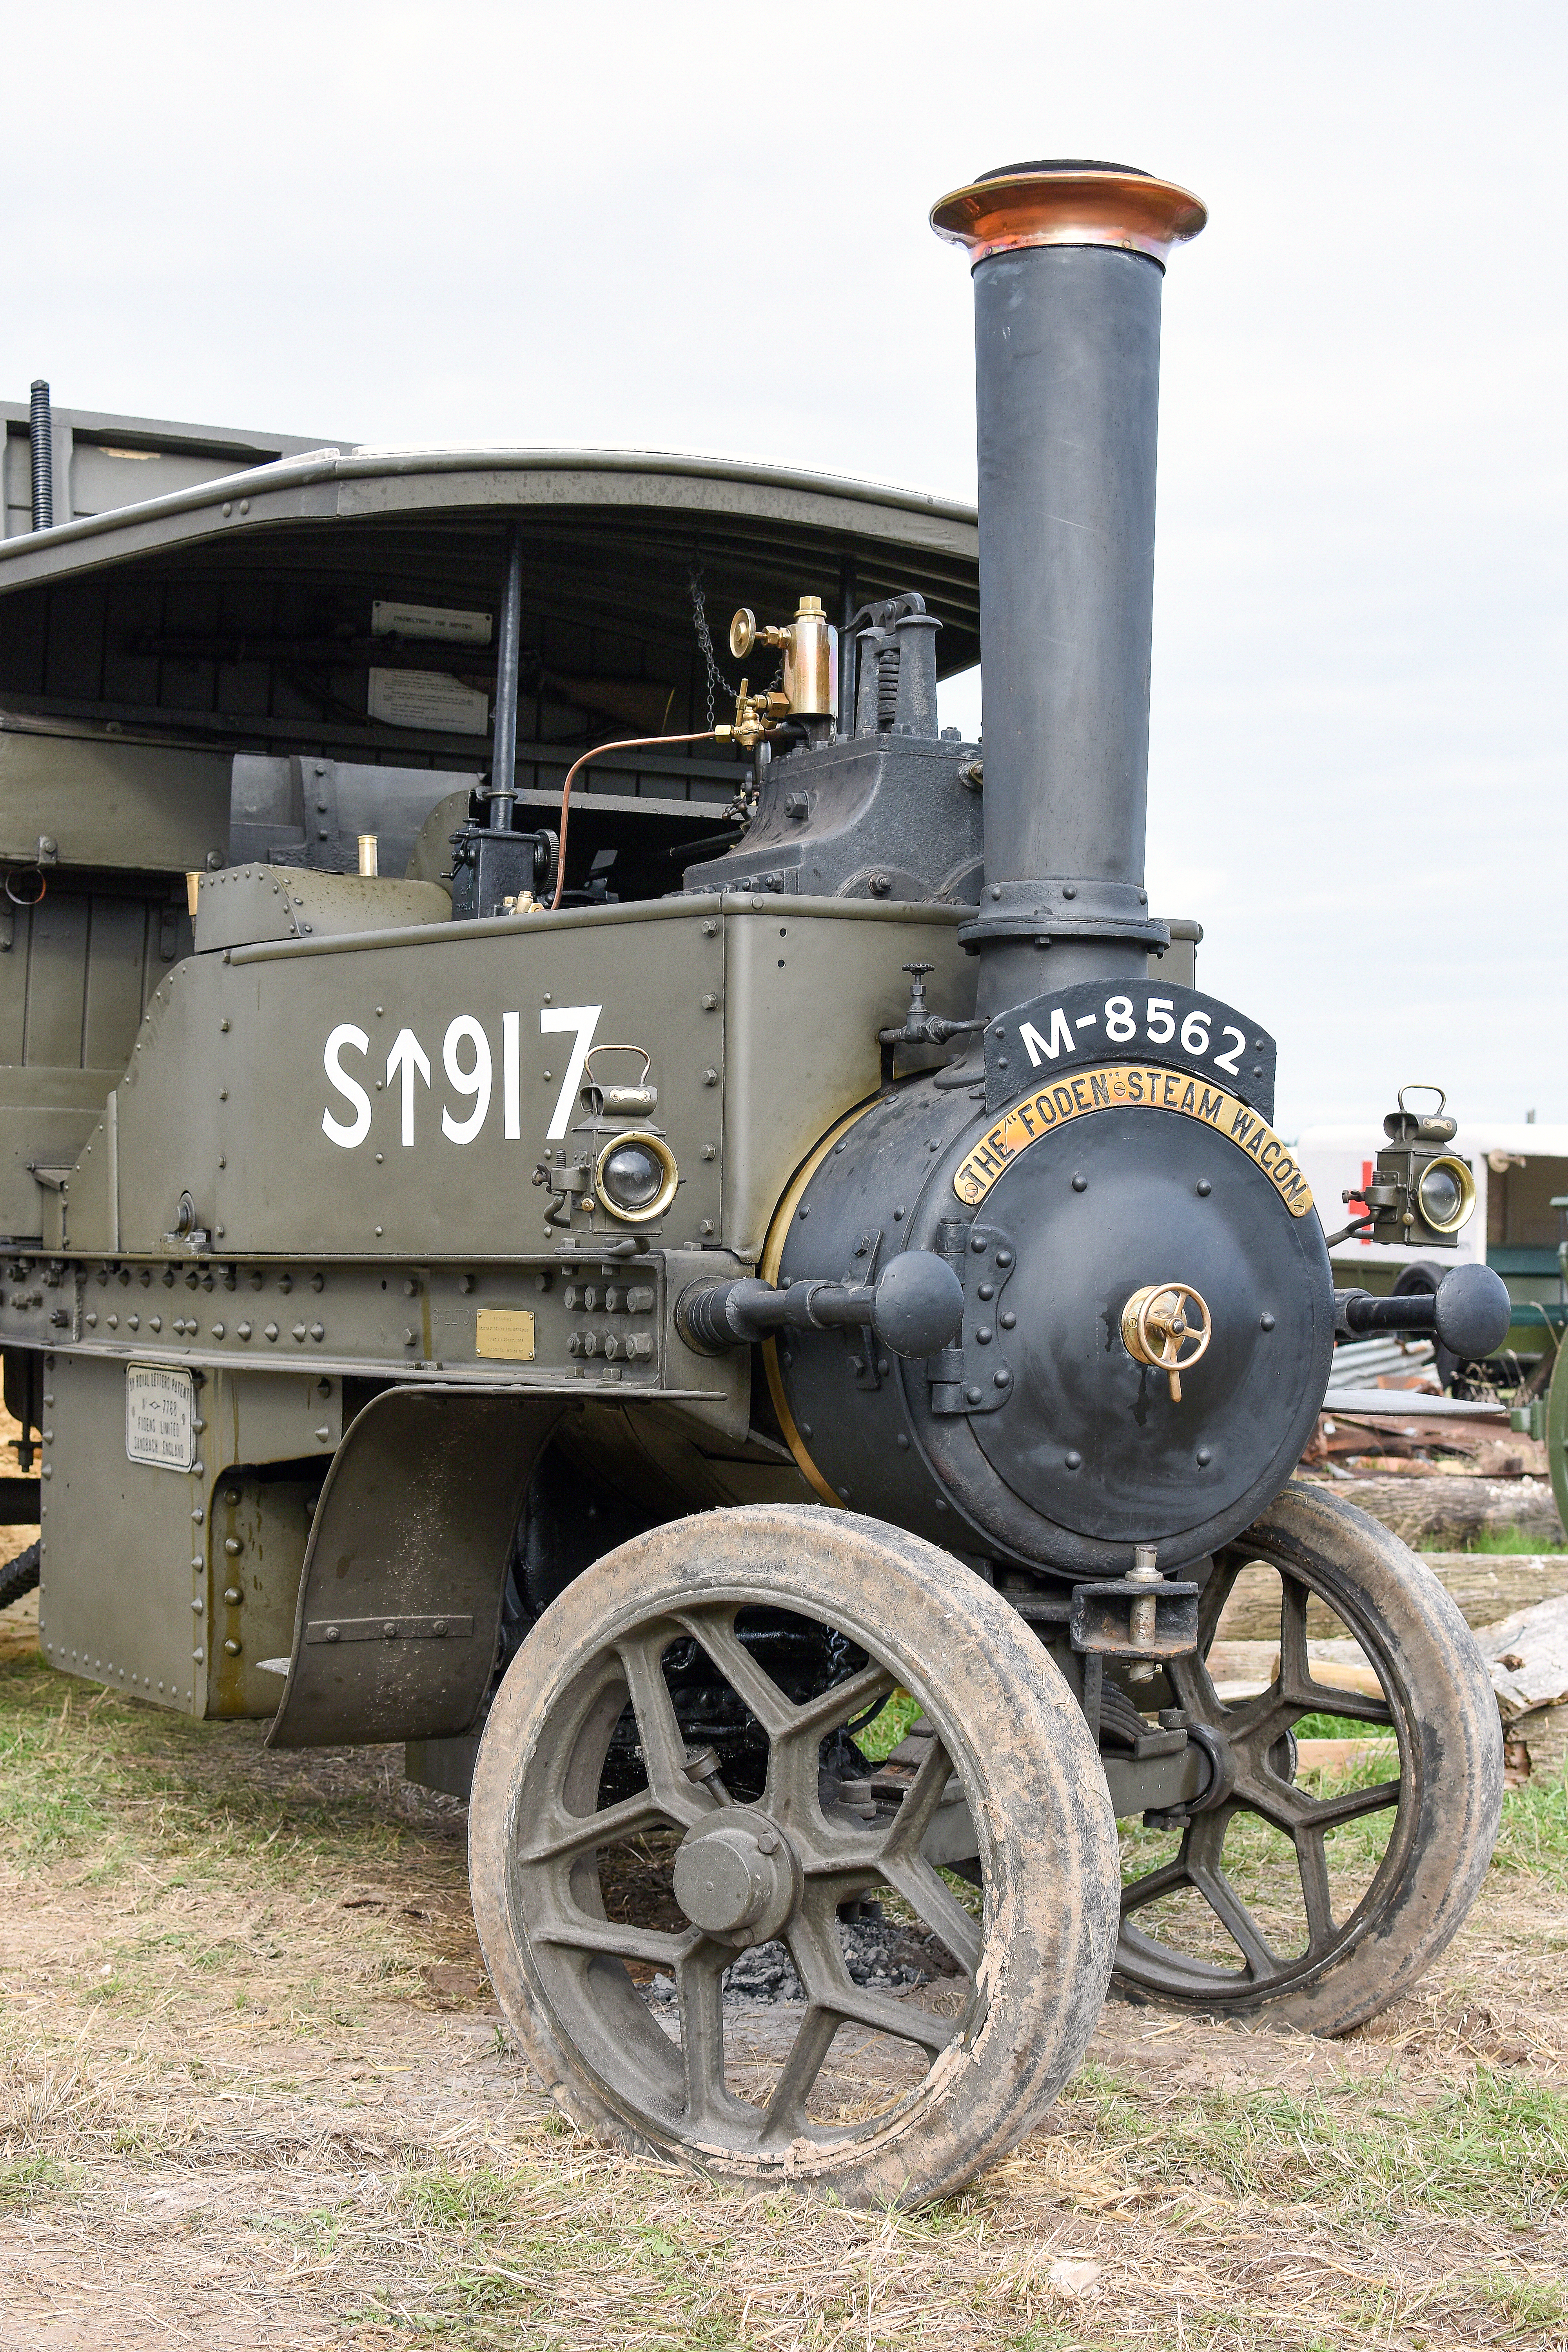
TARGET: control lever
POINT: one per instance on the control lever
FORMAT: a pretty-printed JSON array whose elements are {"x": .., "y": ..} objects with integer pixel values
[
  {"x": 914, "y": 1309},
  {"x": 1469, "y": 1313}
]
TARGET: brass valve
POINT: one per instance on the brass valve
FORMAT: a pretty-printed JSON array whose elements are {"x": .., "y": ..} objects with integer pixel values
[
  {"x": 757, "y": 715},
  {"x": 1157, "y": 1323},
  {"x": 810, "y": 649}
]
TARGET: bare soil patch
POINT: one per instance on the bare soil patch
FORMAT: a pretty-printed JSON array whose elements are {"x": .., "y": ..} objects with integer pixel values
[{"x": 255, "y": 2091}]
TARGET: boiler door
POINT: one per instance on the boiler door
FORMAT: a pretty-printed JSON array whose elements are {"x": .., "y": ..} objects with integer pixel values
[{"x": 1091, "y": 1438}]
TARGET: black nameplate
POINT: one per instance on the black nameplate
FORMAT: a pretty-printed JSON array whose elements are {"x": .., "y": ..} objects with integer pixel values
[{"x": 1135, "y": 1020}]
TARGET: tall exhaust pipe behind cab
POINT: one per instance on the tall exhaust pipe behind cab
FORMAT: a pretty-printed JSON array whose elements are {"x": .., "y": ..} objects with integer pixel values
[{"x": 1069, "y": 262}]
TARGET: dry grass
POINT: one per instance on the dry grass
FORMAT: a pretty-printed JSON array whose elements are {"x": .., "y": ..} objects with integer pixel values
[{"x": 256, "y": 2093}]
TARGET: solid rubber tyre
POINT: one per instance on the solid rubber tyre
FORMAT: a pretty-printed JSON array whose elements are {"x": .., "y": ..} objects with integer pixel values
[{"x": 1014, "y": 1735}]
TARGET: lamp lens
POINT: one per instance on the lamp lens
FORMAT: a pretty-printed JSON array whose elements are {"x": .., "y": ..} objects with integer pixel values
[
  {"x": 1446, "y": 1195},
  {"x": 632, "y": 1176}
]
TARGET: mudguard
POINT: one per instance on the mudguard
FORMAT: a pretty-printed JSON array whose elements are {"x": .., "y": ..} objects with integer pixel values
[{"x": 400, "y": 1598}]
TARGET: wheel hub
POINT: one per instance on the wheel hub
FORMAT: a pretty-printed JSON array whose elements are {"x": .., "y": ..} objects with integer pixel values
[{"x": 737, "y": 1876}]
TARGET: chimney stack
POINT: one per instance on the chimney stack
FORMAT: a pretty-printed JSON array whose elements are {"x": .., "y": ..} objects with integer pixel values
[{"x": 1068, "y": 263}]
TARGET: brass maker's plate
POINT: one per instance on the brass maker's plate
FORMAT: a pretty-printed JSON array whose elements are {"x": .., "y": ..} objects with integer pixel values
[
  {"x": 505, "y": 1333},
  {"x": 1121, "y": 1086}
]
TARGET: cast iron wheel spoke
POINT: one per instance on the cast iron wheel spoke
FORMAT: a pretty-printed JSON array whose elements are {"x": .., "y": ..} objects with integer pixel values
[
  {"x": 791, "y": 1797},
  {"x": 699, "y": 1987},
  {"x": 714, "y": 1629},
  {"x": 1168, "y": 1879},
  {"x": 828, "y": 1985},
  {"x": 663, "y": 1749},
  {"x": 1295, "y": 1668},
  {"x": 643, "y": 1811},
  {"x": 1327, "y": 1813},
  {"x": 1312, "y": 1864},
  {"x": 1258, "y": 1721},
  {"x": 1204, "y": 1854},
  {"x": 1190, "y": 1679},
  {"x": 920, "y": 1801},
  {"x": 1322, "y": 1698},
  {"x": 936, "y": 1904},
  {"x": 660, "y": 1946},
  {"x": 832, "y": 1707},
  {"x": 904, "y": 2020},
  {"x": 1237, "y": 1922},
  {"x": 784, "y": 2118}
]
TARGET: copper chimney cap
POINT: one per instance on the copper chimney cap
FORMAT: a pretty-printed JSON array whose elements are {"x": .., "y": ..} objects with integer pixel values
[{"x": 1069, "y": 202}]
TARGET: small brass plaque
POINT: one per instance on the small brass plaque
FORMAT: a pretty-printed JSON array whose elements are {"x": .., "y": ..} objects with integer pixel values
[{"x": 506, "y": 1332}]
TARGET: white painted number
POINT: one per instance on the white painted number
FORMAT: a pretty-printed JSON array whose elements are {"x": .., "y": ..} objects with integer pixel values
[
  {"x": 408, "y": 1055},
  {"x": 1228, "y": 1061},
  {"x": 511, "y": 1107},
  {"x": 354, "y": 1130},
  {"x": 475, "y": 1082},
  {"x": 585, "y": 1019},
  {"x": 467, "y": 1058},
  {"x": 1121, "y": 1027}
]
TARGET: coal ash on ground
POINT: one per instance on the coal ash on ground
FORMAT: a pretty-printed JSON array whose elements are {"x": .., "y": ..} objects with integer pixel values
[{"x": 882, "y": 1958}]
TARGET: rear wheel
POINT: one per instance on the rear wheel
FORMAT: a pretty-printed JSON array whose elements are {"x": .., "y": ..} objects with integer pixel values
[
  {"x": 1323, "y": 1881},
  {"x": 592, "y": 1899}
]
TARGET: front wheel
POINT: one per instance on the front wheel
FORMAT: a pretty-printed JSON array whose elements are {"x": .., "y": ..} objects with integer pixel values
[
  {"x": 1321, "y": 1898},
  {"x": 663, "y": 1787}
]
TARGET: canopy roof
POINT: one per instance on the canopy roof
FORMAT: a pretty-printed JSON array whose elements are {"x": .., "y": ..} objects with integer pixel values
[
  {"x": 610, "y": 535},
  {"x": 243, "y": 608}
]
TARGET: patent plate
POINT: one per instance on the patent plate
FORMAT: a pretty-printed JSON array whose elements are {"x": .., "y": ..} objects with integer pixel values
[
  {"x": 505, "y": 1333},
  {"x": 1124, "y": 1086},
  {"x": 426, "y": 699},
  {"x": 160, "y": 1416}
]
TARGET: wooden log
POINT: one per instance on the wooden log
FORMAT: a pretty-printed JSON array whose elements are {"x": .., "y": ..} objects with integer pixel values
[
  {"x": 1487, "y": 1586},
  {"x": 1447, "y": 1514}
]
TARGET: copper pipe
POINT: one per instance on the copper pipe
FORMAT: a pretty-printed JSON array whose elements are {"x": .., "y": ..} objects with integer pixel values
[{"x": 631, "y": 743}]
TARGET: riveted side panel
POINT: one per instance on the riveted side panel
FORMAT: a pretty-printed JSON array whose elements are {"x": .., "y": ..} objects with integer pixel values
[
  {"x": 396, "y": 1096},
  {"x": 807, "y": 992},
  {"x": 125, "y": 1547}
]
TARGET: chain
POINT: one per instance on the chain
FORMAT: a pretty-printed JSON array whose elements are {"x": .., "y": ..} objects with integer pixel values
[{"x": 718, "y": 685}]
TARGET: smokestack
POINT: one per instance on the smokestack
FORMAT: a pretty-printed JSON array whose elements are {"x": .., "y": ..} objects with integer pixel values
[
  {"x": 1069, "y": 262},
  {"x": 41, "y": 431}
]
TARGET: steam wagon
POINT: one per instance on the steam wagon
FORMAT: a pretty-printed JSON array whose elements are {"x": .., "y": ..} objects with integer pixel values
[{"x": 684, "y": 1242}]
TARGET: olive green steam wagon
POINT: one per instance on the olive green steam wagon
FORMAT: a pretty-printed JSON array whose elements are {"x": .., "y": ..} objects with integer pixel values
[{"x": 642, "y": 1264}]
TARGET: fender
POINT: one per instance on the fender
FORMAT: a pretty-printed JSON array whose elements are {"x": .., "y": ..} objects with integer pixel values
[{"x": 400, "y": 1596}]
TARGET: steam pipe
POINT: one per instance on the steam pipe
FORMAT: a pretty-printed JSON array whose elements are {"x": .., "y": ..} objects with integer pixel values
[
  {"x": 41, "y": 434},
  {"x": 1069, "y": 261}
]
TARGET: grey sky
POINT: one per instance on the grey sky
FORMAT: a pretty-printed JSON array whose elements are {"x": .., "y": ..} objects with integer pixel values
[{"x": 700, "y": 227}]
